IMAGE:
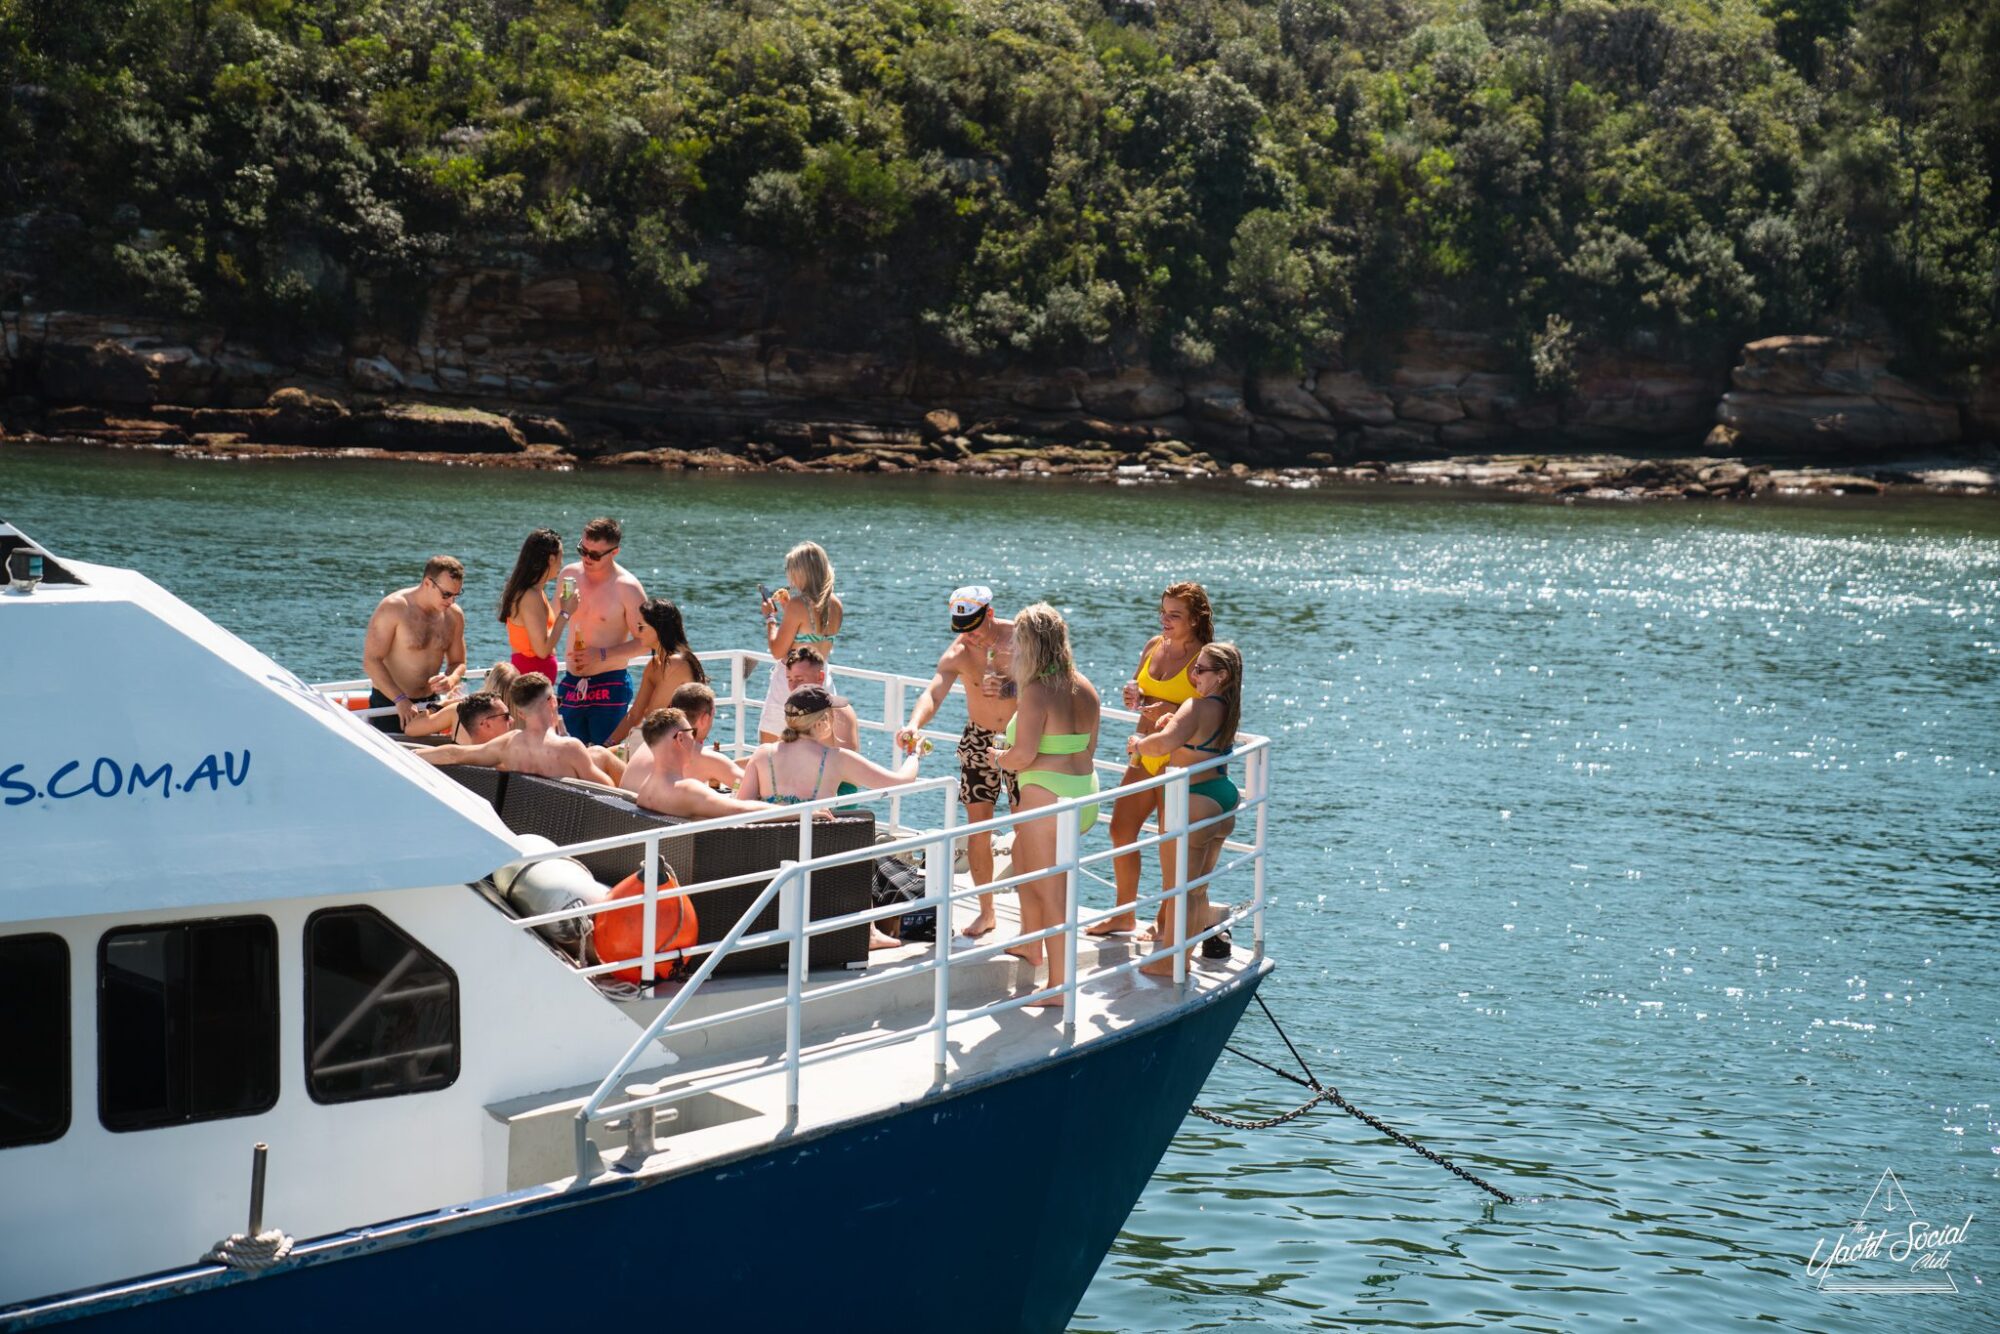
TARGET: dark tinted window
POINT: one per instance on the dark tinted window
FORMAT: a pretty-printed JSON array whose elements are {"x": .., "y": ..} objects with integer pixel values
[
  {"x": 34, "y": 1039},
  {"x": 187, "y": 1022},
  {"x": 381, "y": 1010}
]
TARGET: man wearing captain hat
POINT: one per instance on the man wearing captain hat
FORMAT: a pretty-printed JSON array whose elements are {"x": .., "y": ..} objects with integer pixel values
[{"x": 981, "y": 658}]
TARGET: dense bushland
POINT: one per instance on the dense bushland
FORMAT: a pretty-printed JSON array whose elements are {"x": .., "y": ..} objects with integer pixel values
[{"x": 1247, "y": 180}]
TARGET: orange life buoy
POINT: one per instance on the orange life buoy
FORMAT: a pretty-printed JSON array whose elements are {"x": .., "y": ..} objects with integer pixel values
[{"x": 621, "y": 931}]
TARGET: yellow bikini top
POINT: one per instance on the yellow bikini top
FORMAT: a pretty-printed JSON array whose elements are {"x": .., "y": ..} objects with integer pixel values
[{"x": 1176, "y": 689}]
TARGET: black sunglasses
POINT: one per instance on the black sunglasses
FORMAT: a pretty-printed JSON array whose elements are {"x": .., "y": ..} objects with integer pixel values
[
  {"x": 588, "y": 554},
  {"x": 448, "y": 594}
]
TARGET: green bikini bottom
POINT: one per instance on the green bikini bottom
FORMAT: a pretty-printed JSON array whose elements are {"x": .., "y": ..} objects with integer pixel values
[
  {"x": 1218, "y": 790},
  {"x": 1065, "y": 786}
]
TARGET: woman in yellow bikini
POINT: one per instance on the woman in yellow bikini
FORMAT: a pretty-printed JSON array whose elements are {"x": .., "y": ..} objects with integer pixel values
[
  {"x": 1160, "y": 686},
  {"x": 1051, "y": 744}
]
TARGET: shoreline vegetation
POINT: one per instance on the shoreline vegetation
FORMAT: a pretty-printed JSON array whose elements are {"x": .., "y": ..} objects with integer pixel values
[{"x": 1651, "y": 242}]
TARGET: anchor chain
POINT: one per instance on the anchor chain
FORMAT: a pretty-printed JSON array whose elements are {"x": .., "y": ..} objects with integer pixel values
[{"x": 1321, "y": 1094}]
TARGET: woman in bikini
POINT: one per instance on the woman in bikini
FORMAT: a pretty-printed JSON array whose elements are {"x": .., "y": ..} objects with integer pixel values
[
  {"x": 1201, "y": 729},
  {"x": 806, "y": 763},
  {"x": 811, "y": 615},
  {"x": 533, "y": 627},
  {"x": 1159, "y": 687},
  {"x": 672, "y": 666},
  {"x": 1051, "y": 742}
]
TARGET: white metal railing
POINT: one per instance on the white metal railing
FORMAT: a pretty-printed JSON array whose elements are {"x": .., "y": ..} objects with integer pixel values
[{"x": 791, "y": 888}]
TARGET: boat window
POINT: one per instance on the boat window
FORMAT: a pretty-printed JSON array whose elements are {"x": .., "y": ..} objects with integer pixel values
[
  {"x": 187, "y": 1022},
  {"x": 34, "y": 1039},
  {"x": 381, "y": 1010}
]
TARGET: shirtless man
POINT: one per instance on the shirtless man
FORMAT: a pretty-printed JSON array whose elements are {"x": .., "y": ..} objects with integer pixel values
[
  {"x": 980, "y": 657},
  {"x": 696, "y": 699},
  {"x": 806, "y": 666},
  {"x": 414, "y": 652},
  {"x": 535, "y": 748},
  {"x": 595, "y": 690},
  {"x": 669, "y": 788}
]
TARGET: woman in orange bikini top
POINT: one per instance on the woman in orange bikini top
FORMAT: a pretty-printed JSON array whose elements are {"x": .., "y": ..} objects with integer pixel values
[{"x": 533, "y": 627}]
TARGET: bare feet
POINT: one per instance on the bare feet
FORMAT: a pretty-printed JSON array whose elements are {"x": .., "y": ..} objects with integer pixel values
[
  {"x": 1049, "y": 1002},
  {"x": 1115, "y": 926},
  {"x": 980, "y": 925},
  {"x": 1159, "y": 967},
  {"x": 1028, "y": 954},
  {"x": 879, "y": 941}
]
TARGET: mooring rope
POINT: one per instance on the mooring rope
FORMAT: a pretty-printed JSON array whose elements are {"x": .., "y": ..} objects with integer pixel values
[
  {"x": 1321, "y": 1094},
  {"x": 239, "y": 1251}
]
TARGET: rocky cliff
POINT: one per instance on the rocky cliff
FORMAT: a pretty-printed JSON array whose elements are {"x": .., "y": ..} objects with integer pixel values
[{"x": 510, "y": 360}]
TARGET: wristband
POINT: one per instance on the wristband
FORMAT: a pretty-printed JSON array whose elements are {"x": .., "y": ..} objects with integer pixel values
[{"x": 402, "y": 699}]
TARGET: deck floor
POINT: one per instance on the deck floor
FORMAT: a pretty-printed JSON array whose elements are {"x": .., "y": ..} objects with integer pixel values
[{"x": 869, "y": 1057}]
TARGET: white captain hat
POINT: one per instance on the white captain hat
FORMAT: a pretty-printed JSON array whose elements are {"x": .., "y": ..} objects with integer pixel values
[{"x": 970, "y": 606}]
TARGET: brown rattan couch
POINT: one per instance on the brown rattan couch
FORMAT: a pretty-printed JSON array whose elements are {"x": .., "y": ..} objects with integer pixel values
[{"x": 569, "y": 813}]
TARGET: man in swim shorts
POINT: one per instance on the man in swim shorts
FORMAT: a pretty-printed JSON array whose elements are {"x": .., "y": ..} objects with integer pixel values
[
  {"x": 980, "y": 658},
  {"x": 414, "y": 651},
  {"x": 596, "y": 691}
]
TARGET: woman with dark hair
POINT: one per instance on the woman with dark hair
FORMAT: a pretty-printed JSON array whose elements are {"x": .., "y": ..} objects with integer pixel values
[
  {"x": 1160, "y": 686},
  {"x": 672, "y": 665},
  {"x": 1212, "y": 716},
  {"x": 533, "y": 627}
]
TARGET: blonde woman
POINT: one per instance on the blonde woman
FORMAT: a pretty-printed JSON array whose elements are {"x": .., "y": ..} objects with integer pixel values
[
  {"x": 810, "y": 615},
  {"x": 1051, "y": 742},
  {"x": 1159, "y": 687},
  {"x": 1201, "y": 729}
]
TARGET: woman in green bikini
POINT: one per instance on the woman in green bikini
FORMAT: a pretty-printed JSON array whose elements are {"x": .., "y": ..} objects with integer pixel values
[
  {"x": 1051, "y": 743},
  {"x": 1201, "y": 729}
]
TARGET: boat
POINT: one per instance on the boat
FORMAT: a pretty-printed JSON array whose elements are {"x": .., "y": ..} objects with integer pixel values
[{"x": 281, "y": 1053}]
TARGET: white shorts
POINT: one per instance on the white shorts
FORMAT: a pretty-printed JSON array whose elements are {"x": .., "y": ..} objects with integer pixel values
[{"x": 773, "y": 719}]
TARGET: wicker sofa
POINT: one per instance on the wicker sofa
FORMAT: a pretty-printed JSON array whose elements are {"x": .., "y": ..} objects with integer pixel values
[{"x": 571, "y": 813}]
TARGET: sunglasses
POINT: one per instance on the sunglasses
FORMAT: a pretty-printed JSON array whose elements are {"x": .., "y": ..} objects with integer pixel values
[
  {"x": 448, "y": 594},
  {"x": 1207, "y": 669},
  {"x": 677, "y": 734},
  {"x": 588, "y": 554}
]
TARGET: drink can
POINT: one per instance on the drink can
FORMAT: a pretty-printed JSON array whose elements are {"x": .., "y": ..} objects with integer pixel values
[{"x": 567, "y": 589}]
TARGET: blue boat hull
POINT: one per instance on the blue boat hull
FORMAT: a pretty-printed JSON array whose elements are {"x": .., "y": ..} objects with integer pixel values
[{"x": 989, "y": 1207}]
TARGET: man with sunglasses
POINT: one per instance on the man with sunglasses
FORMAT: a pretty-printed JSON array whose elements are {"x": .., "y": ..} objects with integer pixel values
[
  {"x": 414, "y": 652},
  {"x": 595, "y": 692}
]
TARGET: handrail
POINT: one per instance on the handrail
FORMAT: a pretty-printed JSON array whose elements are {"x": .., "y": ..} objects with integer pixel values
[{"x": 790, "y": 886}]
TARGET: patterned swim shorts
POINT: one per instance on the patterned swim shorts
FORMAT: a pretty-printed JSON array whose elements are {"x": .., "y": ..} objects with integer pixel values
[{"x": 978, "y": 779}]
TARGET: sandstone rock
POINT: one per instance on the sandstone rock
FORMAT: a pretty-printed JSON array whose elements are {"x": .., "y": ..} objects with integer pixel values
[
  {"x": 540, "y": 430},
  {"x": 1618, "y": 397},
  {"x": 1721, "y": 439},
  {"x": 1352, "y": 400},
  {"x": 1219, "y": 401},
  {"x": 1133, "y": 395},
  {"x": 1837, "y": 424},
  {"x": 375, "y": 375},
  {"x": 1405, "y": 440},
  {"x": 1470, "y": 433},
  {"x": 1489, "y": 397},
  {"x": 420, "y": 426},
  {"x": 1431, "y": 406},
  {"x": 1809, "y": 364},
  {"x": 939, "y": 423},
  {"x": 1284, "y": 397}
]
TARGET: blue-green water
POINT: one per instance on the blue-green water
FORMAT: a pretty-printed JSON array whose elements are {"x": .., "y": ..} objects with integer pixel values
[{"x": 1641, "y": 858}]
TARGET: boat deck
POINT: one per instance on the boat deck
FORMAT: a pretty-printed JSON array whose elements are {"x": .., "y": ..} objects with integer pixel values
[{"x": 873, "y": 1056}]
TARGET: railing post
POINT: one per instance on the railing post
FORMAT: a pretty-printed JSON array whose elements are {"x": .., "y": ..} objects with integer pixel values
[
  {"x": 1066, "y": 851},
  {"x": 938, "y": 885},
  {"x": 790, "y": 903},
  {"x": 739, "y": 680},
  {"x": 1174, "y": 819},
  {"x": 1261, "y": 786},
  {"x": 650, "y": 915}
]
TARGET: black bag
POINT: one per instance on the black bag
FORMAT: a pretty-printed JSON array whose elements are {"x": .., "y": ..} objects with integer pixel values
[{"x": 901, "y": 881}]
